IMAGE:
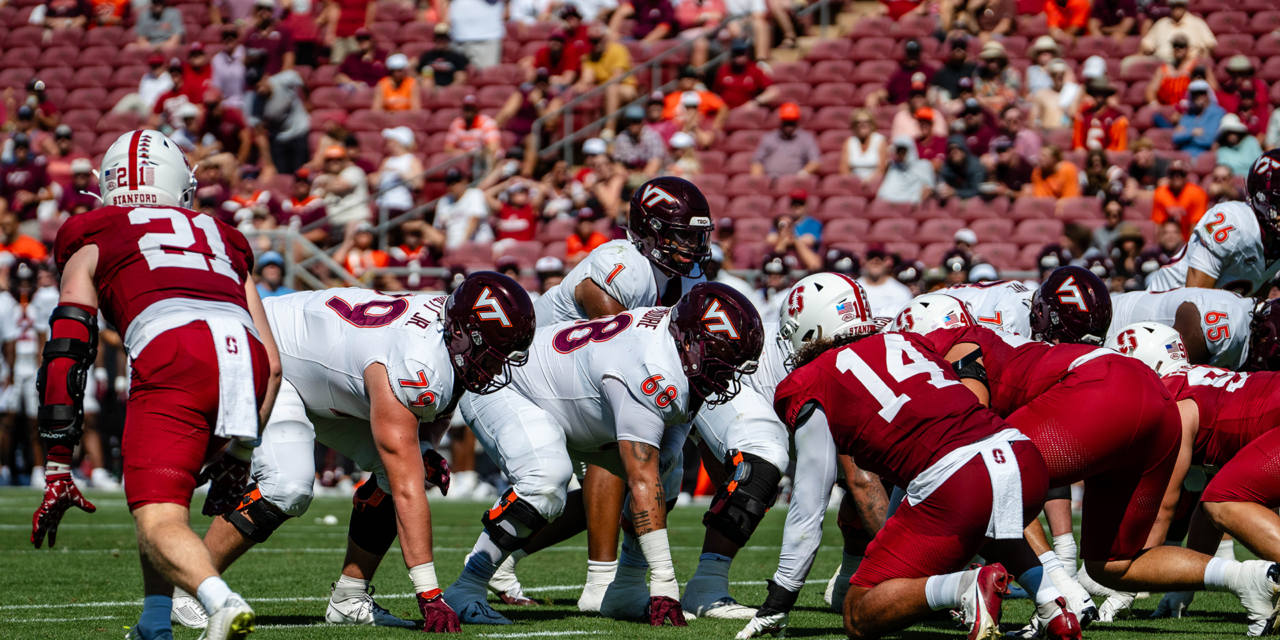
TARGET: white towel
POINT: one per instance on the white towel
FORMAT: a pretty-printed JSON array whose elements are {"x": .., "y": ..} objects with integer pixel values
[
  {"x": 237, "y": 401},
  {"x": 1006, "y": 492}
]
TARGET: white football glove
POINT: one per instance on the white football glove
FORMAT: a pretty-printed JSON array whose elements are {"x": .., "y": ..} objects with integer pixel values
[
  {"x": 1116, "y": 602},
  {"x": 1174, "y": 604},
  {"x": 770, "y": 625}
]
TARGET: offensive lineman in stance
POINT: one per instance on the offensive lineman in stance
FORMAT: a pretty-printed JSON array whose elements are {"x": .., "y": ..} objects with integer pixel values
[{"x": 205, "y": 366}]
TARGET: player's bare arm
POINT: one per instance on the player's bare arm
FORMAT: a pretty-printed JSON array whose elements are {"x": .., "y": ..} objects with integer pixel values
[
  {"x": 1190, "y": 413},
  {"x": 269, "y": 345},
  {"x": 958, "y": 353},
  {"x": 868, "y": 493},
  {"x": 595, "y": 301},
  {"x": 77, "y": 278},
  {"x": 395, "y": 431},
  {"x": 648, "y": 501},
  {"x": 1200, "y": 279},
  {"x": 1187, "y": 324}
]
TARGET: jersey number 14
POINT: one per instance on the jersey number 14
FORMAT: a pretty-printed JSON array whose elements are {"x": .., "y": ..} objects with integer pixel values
[{"x": 902, "y": 361}]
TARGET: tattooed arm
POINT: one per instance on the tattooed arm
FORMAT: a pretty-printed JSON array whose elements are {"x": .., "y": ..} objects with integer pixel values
[
  {"x": 648, "y": 501},
  {"x": 868, "y": 494}
]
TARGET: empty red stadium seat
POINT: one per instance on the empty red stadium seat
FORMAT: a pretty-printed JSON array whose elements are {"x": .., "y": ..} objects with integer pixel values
[
  {"x": 19, "y": 58},
  {"x": 526, "y": 253},
  {"x": 784, "y": 185},
  {"x": 834, "y": 49},
  {"x": 1033, "y": 231},
  {"x": 742, "y": 141},
  {"x": 1001, "y": 255},
  {"x": 874, "y": 71},
  {"x": 712, "y": 161},
  {"x": 1227, "y": 22},
  {"x": 739, "y": 162},
  {"x": 28, "y": 36},
  {"x": 845, "y": 230},
  {"x": 747, "y": 185},
  {"x": 1230, "y": 44},
  {"x": 833, "y": 139},
  {"x": 717, "y": 204},
  {"x": 749, "y": 206},
  {"x": 892, "y": 230},
  {"x": 840, "y": 207},
  {"x": 873, "y": 48},
  {"x": 831, "y": 118},
  {"x": 882, "y": 209},
  {"x": 748, "y": 255},
  {"x": 838, "y": 70},
  {"x": 797, "y": 92},
  {"x": 798, "y": 69},
  {"x": 938, "y": 230},
  {"x": 555, "y": 229},
  {"x": 746, "y": 119},
  {"x": 710, "y": 182},
  {"x": 752, "y": 229},
  {"x": 833, "y": 94},
  {"x": 838, "y": 185},
  {"x": 1032, "y": 207},
  {"x": 871, "y": 26}
]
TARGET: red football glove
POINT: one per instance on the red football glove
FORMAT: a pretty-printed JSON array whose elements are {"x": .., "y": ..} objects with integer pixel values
[
  {"x": 437, "y": 617},
  {"x": 662, "y": 608},
  {"x": 227, "y": 477},
  {"x": 437, "y": 470},
  {"x": 60, "y": 494}
]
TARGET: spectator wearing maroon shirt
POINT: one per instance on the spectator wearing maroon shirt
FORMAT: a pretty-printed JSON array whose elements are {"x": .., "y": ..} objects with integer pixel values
[
  {"x": 1115, "y": 18},
  {"x": 63, "y": 154},
  {"x": 341, "y": 19},
  {"x": 296, "y": 18},
  {"x": 899, "y": 85},
  {"x": 224, "y": 130},
  {"x": 82, "y": 190},
  {"x": 365, "y": 66},
  {"x": 45, "y": 111},
  {"x": 197, "y": 75},
  {"x": 270, "y": 37},
  {"x": 24, "y": 184},
  {"x": 654, "y": 19},
  {"x": 742, "y": 81},
  {"x": 165, "y": 112},
  {"x": 1240, "y": 78},
  {"x": 66, "y": 14},
  {"x": 978, "y": 131},
  {"x": 577, "y": 31},
  {"x": 517, "y": 212},
  {"x": 929, "y": 146},
  {"x": 561, "y": 60}
]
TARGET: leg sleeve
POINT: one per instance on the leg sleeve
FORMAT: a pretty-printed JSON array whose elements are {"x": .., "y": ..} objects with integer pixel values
[
  {"x": 526, "y": 443},
  {"x": 815, "y": 475},
  {"x": 284, "y": 464}
]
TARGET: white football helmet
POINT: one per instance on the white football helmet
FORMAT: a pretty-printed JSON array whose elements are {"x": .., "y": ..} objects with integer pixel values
[
  {"x": 933, "y": 311},
  {"x": 144, "y": 168},
  {"x": 821, "y": 306},
  {"x": 1156, "y": 345}
]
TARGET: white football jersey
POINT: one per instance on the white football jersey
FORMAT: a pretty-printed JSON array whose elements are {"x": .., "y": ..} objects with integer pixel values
[
  {"x": 328, "y": 338},
  {"x": 999, "y": 304},
  {"x": 1227, "y": 245},
  {"x": 1224, "y": 318},
  {"x": 29, "y": 322},
  {"x": 772, "y": 365},
  {"x": 620, "y": 270},
  {"x": 569, "y": 361}
]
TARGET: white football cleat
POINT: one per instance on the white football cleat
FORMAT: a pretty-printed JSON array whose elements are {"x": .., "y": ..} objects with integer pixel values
[
  {"x": 707, "y": 596},
  {"x": 101, "y": 479},
  {"x": 358, "y": 608},
  {"x": 37, "y": 478},
  {"x": 187, "y": 611},
  {"x": 234, "y": 621},
  {"x": 1259, "y": 592},
  {"x": 627, "y": 597},
  {"x": 774, "y": 625},
  {"x": 1078, "y": 600},
  {"x": 506, "y": 585},
  {"x": 980, "y": 604}
]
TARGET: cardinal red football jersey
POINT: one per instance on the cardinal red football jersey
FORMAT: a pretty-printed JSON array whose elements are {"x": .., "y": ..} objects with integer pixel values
[
  {"x": 1018, "y": 369},
  {"x": 149, "y": 254},
  {"x": 892, "y": 404},
  {"x": 1235, "y": 409}
]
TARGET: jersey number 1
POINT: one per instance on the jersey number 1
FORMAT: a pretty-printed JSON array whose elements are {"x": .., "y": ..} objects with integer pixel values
[
  {"x": 156, "y": 247},
  {"x": 902, "y": 361}
]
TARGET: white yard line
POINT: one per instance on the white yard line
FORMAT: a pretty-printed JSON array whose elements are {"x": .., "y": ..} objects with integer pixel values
[
  {"x": 541, "y": 634},
  {"x": 62, "y": 619}
]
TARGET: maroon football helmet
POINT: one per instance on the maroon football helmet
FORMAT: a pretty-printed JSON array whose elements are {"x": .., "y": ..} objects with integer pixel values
[
  {"x": 719, "y": 336},
  {"x": 1263, "y": 192},
  {"x": 670, "y": 223},
  {"x": 489, "y": 324},
  {"x": 1264, "y": 338},
  {"x": 1072, "y": 305}
]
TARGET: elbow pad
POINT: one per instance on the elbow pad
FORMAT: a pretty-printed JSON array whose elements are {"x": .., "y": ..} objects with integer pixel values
[
  {"x": 969, "y": 368},
  {"x": 68, "y": 356}
]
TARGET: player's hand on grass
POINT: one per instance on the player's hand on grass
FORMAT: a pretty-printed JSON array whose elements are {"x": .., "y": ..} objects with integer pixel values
[
  {"x": 227, "y": 477},
  {"x": 762, "y": 625},
  {"x": 438, "y": 472},
  {"x": 60, "y": 494},
  {"x": 1174, "y": 604},
  {"x": 437, "y": 616},
  {"x": 1116, "y": 603},
  {"x": 661, "y": 609}
]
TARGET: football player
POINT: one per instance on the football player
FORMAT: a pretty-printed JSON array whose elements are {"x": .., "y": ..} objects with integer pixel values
[
  {"x": 669, "y": 231},
  {"x": 619, "y": 392},
  {"x": 362, "y": 369},
  {"x": 1236, "y": 245},
  {"x": 973, "y": 482},
  {"x": 998, "y": 304},
  {"x": 205, "y": 367},
  {"x": 29, "y": 323},
  {"x": 1215, "y": 325}
]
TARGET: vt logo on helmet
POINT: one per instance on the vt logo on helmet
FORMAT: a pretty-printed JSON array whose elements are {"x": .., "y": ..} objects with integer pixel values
[
  {"x": 670, "y": 223},
  {"x": 1263, "y": 193},
  {"x": 1072, "y": 305},
  {"x": 719, "y": 337},
  {"x": 489, "y": 325}
]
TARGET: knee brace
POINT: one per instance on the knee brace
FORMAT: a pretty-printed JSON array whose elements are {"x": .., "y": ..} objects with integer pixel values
[
  {"x": 1060, "y": 493},
  {"x": 513, "y": 508},
  {"x": 373, "y": 519},
  {"x": 68, "y": 356},
  {"x": 255, "y": 518},
  {"x": 739, "y": 505}
]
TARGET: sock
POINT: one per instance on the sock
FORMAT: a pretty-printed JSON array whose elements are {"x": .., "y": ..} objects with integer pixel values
[
  {"x": 1226, "y": 550},
  {"x": 348, "y": 587},
  {"x": 1065, "y": 548},
  {"x": 155, "y": 616},
  {"x": 600, "y": 573},
  {"x": 943, "y": 592},
  {"x": 714, "y": 565},
  {"x": 1037, "y": 583},
  {"x": 1221, "y": 574},
  {"x": 480, "y": 566},
  {"x": 213, "y": 593}
]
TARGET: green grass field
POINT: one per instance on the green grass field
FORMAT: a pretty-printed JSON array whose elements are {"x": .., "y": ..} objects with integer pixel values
[{"x": 89, "y": 586}]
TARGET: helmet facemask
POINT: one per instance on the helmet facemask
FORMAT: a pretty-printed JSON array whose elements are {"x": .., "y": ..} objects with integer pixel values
[{"x": 473, "y": 360}]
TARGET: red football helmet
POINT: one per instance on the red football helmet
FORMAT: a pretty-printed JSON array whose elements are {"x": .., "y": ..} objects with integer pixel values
[
  {"x": 670, "y": 223},
  {"x": 489, "y": 325},
  {"x": 1263, "y": 192},
  {"x": 719, "y": 336},
  {"x": 1264, "y": 338},
  {"x": 1072, "y": 305}
]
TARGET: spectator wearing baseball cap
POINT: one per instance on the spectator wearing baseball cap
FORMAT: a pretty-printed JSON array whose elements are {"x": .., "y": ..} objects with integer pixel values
[
  {"x": 1054, "y": 107},
  {"x": 1169, "y": 84},
  {"x": 1067, "y": 18},
  {"x": 806, "y": 225},
  {"x": 365, "y": 66},
  {"x": 443, "y": 65},
  {"x": 270, "y": 275},
  {"x": 638, "y": 147},
  {"x": 956, "y": 66},
  {"x": 912, "y": 75},
  {"x": 344, "y": 187},
  {"x": 304, "y": 207},
  {"x": 62, "y": 153},
  {"x": 550, "y": 271},
  {"x": 684, "y": 161},
  {"x": 401, "y": 172},
  {"x": 276, "y": 105},
  {"x": 584, "y": 238},
  {"x": 742, "y": 81},
  {"x": 561, "y": 59},
  {"x": 24, "y": 183},
  {"x": 907, "y": 178},
  {"x": 699, "y": 112},
  {"x": 47, "y": 114},
  {"x": 358, "y": 254},
  {"x": 1012, "y": 174},
  {"x": 997, "y": 84},
  {"x": 787, "y": 150},
  {"x": 472, "y": 131},
  {"x": 1100, "y": 124},
  {"x": 930, "y": 146},
  {"x": 1179, "y": 200},
  {"x": 399, "y": 90},
  {"x": 228, "y": 67},
  {"x": 154, "y": 83},
  {"x": 1197, "y": 130},
  {"x": 515, "y": 204},
  {"x": 269, "y": 37},
  {"x": 79, "y": 194},
  {"x": 1158, "y": 40}
]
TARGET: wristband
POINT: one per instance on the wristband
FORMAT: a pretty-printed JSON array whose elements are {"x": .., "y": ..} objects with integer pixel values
[
  {"x": 58, "y": 455},
  {"x": 779, "y": 600},
  {"x": 657, "y": 552},
  {"x": 424, "y": 577}
]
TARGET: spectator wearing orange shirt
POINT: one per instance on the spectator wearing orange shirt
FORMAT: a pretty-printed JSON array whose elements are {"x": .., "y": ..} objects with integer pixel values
[
  {"x": 356, "y": 252},
  {"x": 700, "y": 113},
  {"x": 17, "y": 243},
  {"x": 1054, "y": 177},
  {"x": 1067, "y": 18},
  {"x": 1180, "y": 200},
  {"x": 473, "y": 130},
  {"x": 584, "y": 238},
  {"x": 398, "y": 91},
  {"x": 1100, "y": 124}
]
